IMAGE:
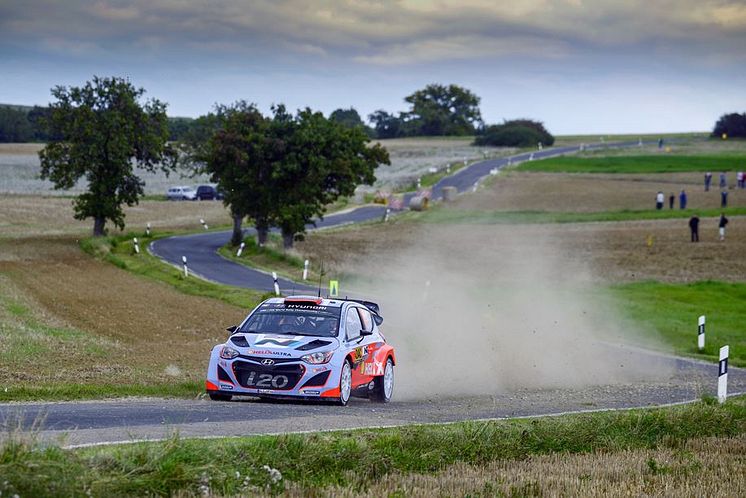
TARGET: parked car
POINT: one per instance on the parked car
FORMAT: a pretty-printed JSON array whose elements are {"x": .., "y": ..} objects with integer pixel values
[
  {"x": 184, "y": 193},
  {"x": 305, "y": 347},
  {"x": 206, "y": 193}
]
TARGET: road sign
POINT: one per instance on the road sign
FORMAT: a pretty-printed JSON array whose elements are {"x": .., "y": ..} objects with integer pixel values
[{"x": 333, "y": 288}]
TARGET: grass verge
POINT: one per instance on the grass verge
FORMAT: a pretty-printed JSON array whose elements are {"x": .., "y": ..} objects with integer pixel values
[
  {"x": 461, "y": 216},
  {"x": 71, "y": 392},
  {"x": 672, "y": 310},
  {"x": 352, "y": 460},
  {"x": 119, "y": 250},
  {"x": 638, "y": 164},
  {"x": 270, "y": 258}
]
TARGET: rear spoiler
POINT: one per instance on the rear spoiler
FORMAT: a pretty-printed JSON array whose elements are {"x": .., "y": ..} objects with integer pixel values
[{"x": 373, "y": 307}]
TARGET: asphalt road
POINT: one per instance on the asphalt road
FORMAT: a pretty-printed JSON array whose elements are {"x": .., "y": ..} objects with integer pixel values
[
  {"x": 98, "y": 422},
  {"x": 204, "y": 261}
]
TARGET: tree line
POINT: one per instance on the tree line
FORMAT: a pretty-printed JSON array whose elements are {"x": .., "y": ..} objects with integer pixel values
[{"x": 279, "y": 170}]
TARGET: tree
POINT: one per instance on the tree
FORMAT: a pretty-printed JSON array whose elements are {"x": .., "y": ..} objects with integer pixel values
[
  {"x": 234, "y": 147},
  {"x": 103, "y": 132},
  {"x": 444, "y": 110},
  {"x": 322, "y": 161},
  {"x": 14, "y": 125},
  {"x": 347, "y": 117},
  {"x": 386, "y": 125},
  {"x": 734, "y": 125},
  {"x": 515, "y": 133}
]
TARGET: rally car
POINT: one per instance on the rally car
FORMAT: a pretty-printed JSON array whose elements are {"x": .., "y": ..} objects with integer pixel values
[{"x": 305, "y": 347}]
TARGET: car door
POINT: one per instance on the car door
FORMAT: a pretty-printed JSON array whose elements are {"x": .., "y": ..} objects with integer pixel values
[{"x": 361, "y": 347}]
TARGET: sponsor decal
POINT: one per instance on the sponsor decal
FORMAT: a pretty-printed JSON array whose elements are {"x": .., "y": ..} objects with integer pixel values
[
  {"x": 264, "y": 391},
  {"x": 278, "y": 341},
  {"x": 267, "y": 351},
  {"x": 319, "y": 369},
  {"x": 226, "y": 386},
  {"x": 374, "y": 368},
  {"x": 314, "y": 393},
  {"x": 359, "y": 355}
]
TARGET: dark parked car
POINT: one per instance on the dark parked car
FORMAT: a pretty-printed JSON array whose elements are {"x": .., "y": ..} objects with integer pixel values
[{"x": 207, "y": 193}]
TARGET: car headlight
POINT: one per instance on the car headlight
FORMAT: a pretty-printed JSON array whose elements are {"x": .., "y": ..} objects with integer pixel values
[
  {"x": 318, "y": 357},
  {"x": 228, "y": 353}
]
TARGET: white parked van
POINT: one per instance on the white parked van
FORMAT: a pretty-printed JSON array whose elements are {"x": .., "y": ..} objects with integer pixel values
[{"x": 181, "y": 194}]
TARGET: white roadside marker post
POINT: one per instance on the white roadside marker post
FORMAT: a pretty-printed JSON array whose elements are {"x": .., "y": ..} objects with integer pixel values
[
  {"x": 277, "y": 285},
  {"x": 137, "y": 246},
  {"x": 510, "y": 161},
  {"x": 493, "y": 171},
  {"x": 203, "y": 223},
  {"x": 186, "y": 269},
  {"x": 419, "y": 183},
  {"x": 240, "y": 249},
  {"x": 531, "y": 157},
  {"x": 147, "y": 229},
  {"x": 701, "y": 333},
  {"x": 448, "y": 169},
  {"x": 474, "y": 189},
  {"x": 465, "y": 162},
  {"x": 386, "y": 215},
  {"x": 639, "y": 142},
  {"x": 305, "y": 270},
  {"x": 723, "y": 375}
]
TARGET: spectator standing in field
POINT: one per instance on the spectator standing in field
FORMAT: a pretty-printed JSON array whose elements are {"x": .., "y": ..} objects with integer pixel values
[
  {"x": 723, "y": 181},
  {"x": 721, "y": 225},
  {"x": 671, "y": 199},
  {"x": 659, "y": 198},
  {"x": 682, "y": 199},
  {"x": 708, "y": 181},
  {"x": 694, "y": 227},
  {"x": 739, "y": 179},
  {"x": 724, "y": 199}
]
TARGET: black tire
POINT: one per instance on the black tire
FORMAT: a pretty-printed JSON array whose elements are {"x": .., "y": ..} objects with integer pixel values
[
  {"x": 380, "y": 393},
  {"x": 219, "y": 397},
  {"x": 345, "y": 389}
]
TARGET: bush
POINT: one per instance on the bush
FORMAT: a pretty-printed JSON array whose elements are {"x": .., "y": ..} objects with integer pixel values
[
  {"x": 515, "y": 133},
  {"x": 733, "y": 124}
]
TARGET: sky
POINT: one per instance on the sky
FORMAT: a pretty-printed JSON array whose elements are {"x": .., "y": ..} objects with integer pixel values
[{"x": 585, "y": 67}]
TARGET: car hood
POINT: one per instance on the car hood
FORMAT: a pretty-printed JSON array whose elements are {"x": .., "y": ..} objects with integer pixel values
[{"x": 281, "y": 344}]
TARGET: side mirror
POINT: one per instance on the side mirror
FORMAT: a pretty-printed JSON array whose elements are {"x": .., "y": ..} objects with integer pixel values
[
  {"x": 364, "y": 332},
  {"x": 232, "y": 329}
]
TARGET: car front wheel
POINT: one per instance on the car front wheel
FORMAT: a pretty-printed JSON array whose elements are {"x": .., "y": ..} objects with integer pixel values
[
  {"x": 345, "y": 384},
  {"x": 383, "y": 385}
]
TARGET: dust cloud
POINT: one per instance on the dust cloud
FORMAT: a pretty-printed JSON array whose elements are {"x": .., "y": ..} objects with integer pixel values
[{"x": 480, "y": 310}]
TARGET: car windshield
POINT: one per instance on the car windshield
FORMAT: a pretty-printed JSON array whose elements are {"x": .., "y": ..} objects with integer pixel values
[{"x": 293, "y": 319}]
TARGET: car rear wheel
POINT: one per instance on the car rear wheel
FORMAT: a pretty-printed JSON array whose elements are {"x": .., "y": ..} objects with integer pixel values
[
  {"x": 383, "y": 385},
  {"x": 219, "y": 397},
  {"x": 345, "y": 384}
]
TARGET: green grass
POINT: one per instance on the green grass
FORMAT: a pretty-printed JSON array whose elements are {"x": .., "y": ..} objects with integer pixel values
[
  {"x": 664, "y": 163},
  {"x": 269, "y": 258},
  {"x": 119, "y": 250},
  {"x": 461, "y": 216},
  {"x": 672, "y": 311},
  {"x": 352, "y": 459},
  {"x": 71, "y": 392}
]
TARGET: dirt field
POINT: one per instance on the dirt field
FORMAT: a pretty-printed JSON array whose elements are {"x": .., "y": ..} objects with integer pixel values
[
  {"x": 142, "y": 329},
  {"x": 562, "y": 192},
  {"x": 29, "y": 216}
]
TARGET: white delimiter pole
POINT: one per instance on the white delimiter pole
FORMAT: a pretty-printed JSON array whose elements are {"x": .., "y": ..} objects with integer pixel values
[
  {"x": 147, "y": 229},
  {"x": 137, "y": 246},
  {"x": 723, "y": 375},
  {"x": 305, "y": 270},
  {"x": 203, "y": 223},
  {"x": 186, "y": 270},
  {"x": 701, "y": 333},
  {"x": 240, "y": 249},
  {"x": 277, "y": 285}
]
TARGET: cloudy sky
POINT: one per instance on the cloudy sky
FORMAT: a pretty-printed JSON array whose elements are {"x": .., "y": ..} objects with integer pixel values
[{"x": 581, "y": 66}]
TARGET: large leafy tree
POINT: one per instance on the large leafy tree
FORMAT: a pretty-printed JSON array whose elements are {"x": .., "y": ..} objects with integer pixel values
[
  {"x": 322, "y": 161},
  {"x": 101, "y": 131},
  {"x": 234, "y": 146},
  {"x": 444, "y": 110}
]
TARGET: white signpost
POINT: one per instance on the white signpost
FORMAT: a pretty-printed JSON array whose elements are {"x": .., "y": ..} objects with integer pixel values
[
  {"x": 137, "y": 246},
  {"x": 240, "y": 249},
  {"x": 701, "y": 333},
  {"x": 276, "y": 283},
  {"x": 723, "y": 375},
  {"x": 186, "y": 269},
  {"x": 203, "y": 223},
  {"x": 305, "y": 270},
  {"x": 147, "y": 229}
]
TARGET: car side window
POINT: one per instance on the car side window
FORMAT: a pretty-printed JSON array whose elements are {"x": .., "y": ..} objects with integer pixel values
[
  {"x": 352, "y": 324},
  {"x": 366, "y": 319}
]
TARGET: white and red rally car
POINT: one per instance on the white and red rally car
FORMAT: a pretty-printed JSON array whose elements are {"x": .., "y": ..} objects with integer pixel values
[{"x": 306, "y": 347}]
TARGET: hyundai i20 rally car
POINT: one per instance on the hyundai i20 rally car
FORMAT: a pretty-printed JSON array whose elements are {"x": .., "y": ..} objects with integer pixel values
[{"x": 306, "y": 347}]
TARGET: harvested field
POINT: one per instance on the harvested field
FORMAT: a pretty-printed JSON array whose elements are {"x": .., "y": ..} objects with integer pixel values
[
  {"x": 614, "y": 252},
  {"x": 565, "y": 192},
  {"x": 143, "y": 330},
  {"x": 29, "y": 216}
]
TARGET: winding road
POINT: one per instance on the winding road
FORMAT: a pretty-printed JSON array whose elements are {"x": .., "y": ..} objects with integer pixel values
[
  {"x": 204, "y": 260},
  {"x": 117, "y": 421}
]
